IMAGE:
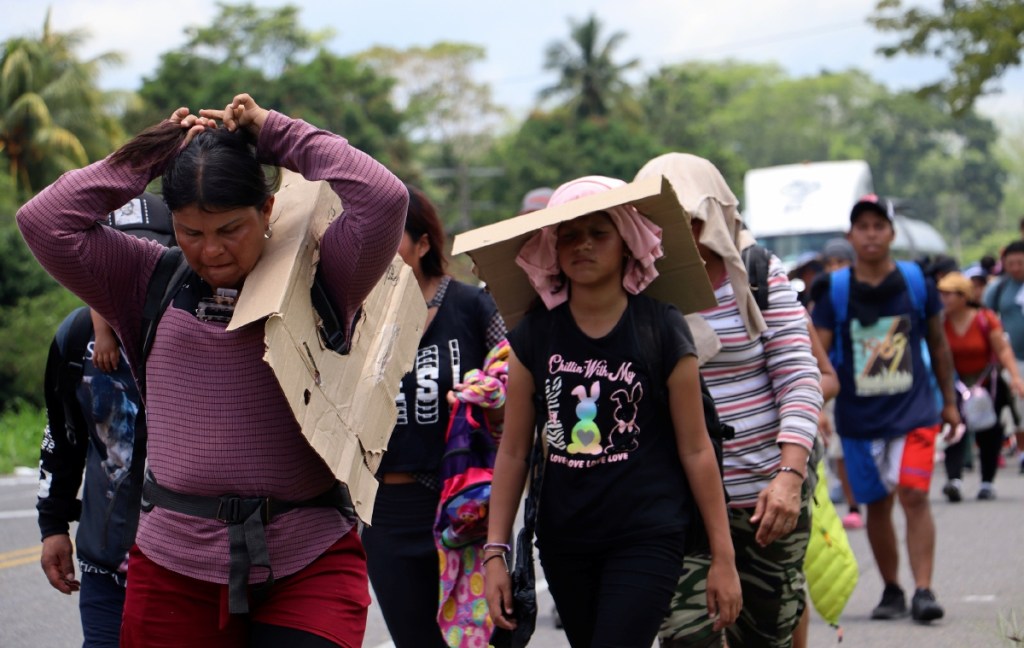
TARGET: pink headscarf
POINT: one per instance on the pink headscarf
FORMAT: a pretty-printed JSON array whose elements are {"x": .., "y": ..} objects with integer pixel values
[{"x": 539, "y": 258}]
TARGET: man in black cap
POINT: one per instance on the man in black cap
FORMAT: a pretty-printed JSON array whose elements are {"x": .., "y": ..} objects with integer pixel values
[
  {"x": 875, "y": 318},
  {"x": 95, "y": 423}
]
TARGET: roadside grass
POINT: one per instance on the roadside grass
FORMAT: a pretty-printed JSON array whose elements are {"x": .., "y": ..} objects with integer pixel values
[{"x": 21, "y": 432}]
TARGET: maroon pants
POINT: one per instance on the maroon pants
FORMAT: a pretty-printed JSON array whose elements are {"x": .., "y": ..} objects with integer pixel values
[{"x": 328, "y": 598}]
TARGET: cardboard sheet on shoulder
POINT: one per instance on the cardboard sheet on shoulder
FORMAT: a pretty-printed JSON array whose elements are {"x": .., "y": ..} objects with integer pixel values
[{"x": 344, "y": 403}]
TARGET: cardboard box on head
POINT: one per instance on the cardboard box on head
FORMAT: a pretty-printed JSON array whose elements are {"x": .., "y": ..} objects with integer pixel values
[
  {"x": 344, "y": 403},
  {"x": 682, "y": 280}
]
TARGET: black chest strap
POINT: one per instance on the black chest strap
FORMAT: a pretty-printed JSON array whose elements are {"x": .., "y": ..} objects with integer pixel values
[{"x": 246, "y": 519}]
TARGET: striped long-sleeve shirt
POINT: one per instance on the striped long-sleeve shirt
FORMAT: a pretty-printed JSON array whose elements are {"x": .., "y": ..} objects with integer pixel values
[
  {"x": 766, "y": 388},
  {"x": 219, "y": 422}
]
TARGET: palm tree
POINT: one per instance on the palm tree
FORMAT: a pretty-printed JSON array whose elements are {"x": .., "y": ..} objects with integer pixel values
[
  {"x": 590, "y": 77},
  {"x": 53, "y": 117}
]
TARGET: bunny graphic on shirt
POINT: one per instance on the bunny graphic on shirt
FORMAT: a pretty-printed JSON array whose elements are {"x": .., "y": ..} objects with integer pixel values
[
  {"x": 586, "y": 436},
  {"x": 626, "y": 434}
]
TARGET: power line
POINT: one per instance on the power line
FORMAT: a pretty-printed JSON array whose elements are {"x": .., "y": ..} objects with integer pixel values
[
  {"x": 769, "y": 40},
  {"x": 720, "y": 48}
]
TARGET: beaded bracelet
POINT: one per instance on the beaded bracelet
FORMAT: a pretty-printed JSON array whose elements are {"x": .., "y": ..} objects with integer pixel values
[
  {"x": 793, "y": 470},
  {"x": 504, "y": 548}
]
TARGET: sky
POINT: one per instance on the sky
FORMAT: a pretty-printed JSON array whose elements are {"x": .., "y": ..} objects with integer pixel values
[{"x": 803, "y": 36}]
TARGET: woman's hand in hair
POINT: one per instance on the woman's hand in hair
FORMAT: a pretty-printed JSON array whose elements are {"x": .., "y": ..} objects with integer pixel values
[
  {"x": 194, "y": 123},
  {"x": 242, "y": 112}
]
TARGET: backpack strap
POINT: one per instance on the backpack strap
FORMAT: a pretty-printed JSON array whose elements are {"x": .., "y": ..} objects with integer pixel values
[
  {"x": 839, "y": 293},
  {"x": 170, "y": 273},
  {"x": 333, "y": 332},
  {"x": 76, "y": 346},
  {"x": 917, "y": 292},
  {"x": 997, "y": 293},
  {"x": 72, "y": 361},
  {"x": 757, "y": 259}
]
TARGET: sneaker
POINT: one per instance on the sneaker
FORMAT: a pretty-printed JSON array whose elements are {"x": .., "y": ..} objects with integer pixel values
[
  {"x": 952, "y": 490},
  {"x": 893, "y": 604},
  {"x": 987, "y": 492},
  {"x": 853, "y": 520},
  {"x": 924, "y": 607}
]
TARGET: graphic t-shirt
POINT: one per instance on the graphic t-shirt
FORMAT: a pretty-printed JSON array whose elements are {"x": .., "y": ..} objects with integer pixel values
[
  {"x": 884, "y": 384},
  {"x": 454, "y": 343},
  {"x": 613, "y": 470}
]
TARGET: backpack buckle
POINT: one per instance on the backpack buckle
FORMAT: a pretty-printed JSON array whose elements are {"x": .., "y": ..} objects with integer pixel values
[{"x": 231, "y": 510}]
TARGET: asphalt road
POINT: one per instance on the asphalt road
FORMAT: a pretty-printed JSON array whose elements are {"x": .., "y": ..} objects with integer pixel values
[{"x": 979, "y": 578}]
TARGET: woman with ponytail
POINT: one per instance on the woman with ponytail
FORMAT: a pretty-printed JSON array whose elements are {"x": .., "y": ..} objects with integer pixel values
[{"x": 220, "y": 427}]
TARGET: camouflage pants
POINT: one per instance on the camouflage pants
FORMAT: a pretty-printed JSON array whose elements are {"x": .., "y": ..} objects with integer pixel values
[{"x": 773, "y": 586}]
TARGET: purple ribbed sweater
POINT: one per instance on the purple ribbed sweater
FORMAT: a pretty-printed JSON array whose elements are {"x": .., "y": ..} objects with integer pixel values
[{"x": 218, "y": 420}]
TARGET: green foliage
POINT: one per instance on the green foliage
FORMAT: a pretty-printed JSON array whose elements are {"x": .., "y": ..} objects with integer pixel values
[
  {"x": 1009, "y": 152},
  {"x": 980, "y": 39},
  {"x": 345, "y": 96},
  {"x": 267, "y": 52},
  {"x": 989, "y": 245},
  {"x": 53, "y": 117},
  {"x": 20, "y": 276},
  {"x": 26, "y": 331},
  {"x": 589, "y": 76},
  {"x": 246, "y": 36},
  {"x": 744, "y": 116},
  {"x": 552, "y": 148},
  {"x": 22, "y": 426},
  {"x": 685, "y": 108}
]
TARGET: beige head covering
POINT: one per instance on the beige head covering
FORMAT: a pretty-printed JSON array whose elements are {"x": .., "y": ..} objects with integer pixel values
[{"x": 704, "y": 195}]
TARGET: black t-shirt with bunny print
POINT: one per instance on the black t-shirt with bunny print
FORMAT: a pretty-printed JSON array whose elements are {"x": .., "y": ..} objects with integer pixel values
[{"x": 613, "y": 471}]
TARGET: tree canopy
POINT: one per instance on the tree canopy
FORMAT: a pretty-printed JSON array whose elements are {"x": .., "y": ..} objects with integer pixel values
[
  {"x": 979, "y": 39},
  {"x": 53, "y": 117},
  {"x": 425, "y": 113}
]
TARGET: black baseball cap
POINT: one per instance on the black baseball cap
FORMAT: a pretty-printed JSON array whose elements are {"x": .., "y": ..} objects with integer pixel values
[
  {"x": 145, "y": 216},
  {"x": 871, "y": 202}
]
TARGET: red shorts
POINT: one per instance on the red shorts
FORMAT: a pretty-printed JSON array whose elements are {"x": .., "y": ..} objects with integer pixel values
[
  {"x": 875, "y": 467},
  {"x": 328, "y": 598}
]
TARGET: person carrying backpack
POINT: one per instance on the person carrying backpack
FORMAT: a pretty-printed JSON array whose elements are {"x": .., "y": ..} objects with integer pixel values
[
  {"x": 1004, "y": 296},
  {"x": 95, "y": 425},
  {"x": 979, "y": 349},
  {"x": 623, "y": 435},
  {"x": 463, "y": 324},
  {"x": 873, "y": 317},
  {"x": 766, "y": 385},
  {"x": 250, "y": 539}
]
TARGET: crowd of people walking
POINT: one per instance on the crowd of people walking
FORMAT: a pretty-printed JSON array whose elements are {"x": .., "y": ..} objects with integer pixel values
[{"x": 207, "y": 517}]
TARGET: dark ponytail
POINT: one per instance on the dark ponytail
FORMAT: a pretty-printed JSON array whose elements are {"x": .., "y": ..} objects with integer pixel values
[
  {"x": 152, "y": 148},
  {"x": 422, "y": 219}
]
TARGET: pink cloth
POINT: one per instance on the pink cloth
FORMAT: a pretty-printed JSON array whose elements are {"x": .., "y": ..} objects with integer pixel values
[{"x": 539, "y": 257}]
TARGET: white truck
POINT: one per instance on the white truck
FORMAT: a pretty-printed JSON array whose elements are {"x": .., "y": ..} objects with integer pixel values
[{"x": 795, "y": 208}]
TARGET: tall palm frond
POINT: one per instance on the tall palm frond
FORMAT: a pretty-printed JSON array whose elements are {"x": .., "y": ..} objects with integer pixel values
[{"x": 588, "y": 73}]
